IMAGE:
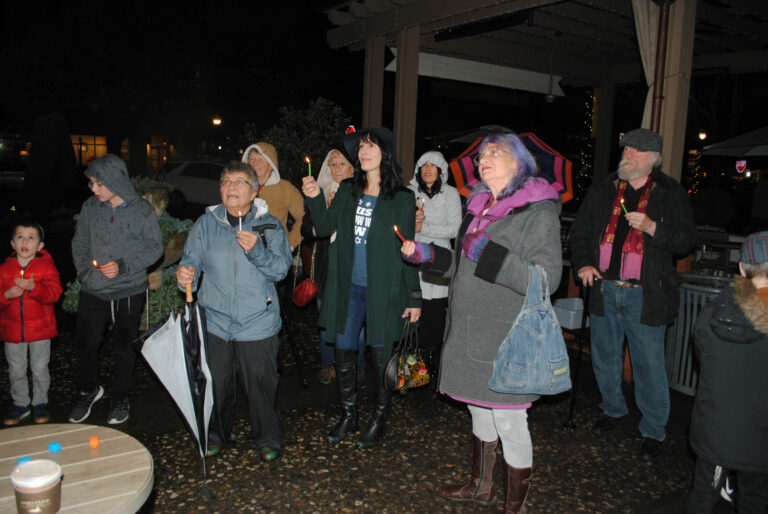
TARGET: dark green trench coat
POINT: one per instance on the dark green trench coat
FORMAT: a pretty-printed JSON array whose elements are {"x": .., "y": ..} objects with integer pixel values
[{"x": 393, "y": 285}]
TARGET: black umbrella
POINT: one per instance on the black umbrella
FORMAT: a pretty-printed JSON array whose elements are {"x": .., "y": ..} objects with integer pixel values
[{"x": 176, "y": 353}]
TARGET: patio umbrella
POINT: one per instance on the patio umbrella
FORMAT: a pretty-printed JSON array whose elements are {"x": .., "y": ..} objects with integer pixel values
[
  {"x": 750, "y": 144},
  {"x": 176, "y": 354},
  {"x": 552, "y": 165}
]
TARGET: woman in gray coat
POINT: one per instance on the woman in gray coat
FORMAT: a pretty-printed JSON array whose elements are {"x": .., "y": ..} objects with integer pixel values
[{"x": 512, "y": 219}]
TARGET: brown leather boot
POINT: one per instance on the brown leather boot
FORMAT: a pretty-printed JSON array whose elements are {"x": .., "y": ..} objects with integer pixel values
[
  {"x": 479, "y": 487},
  {"x": 517, "y": 481}
]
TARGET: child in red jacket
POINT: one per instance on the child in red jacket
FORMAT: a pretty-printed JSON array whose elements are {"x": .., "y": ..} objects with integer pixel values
[{"x": 30, "y": 285}]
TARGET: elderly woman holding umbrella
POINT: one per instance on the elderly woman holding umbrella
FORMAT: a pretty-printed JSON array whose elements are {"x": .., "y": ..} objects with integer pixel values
[
  {"x": 368, "y": 282},
  {"x": 241, "y": 251},
  {"x": 512, "y": 220}
]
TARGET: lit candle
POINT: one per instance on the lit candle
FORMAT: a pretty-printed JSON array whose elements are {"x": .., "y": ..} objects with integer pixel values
[
  {"x": 309, "y": 165},
  {"x": 93, "y": 442},
  {"x": 622, "y": 206},
  {"x": 22, "y": 273},
  {"x": 423, "y": 201},
  {"x": 399, "y": 234},
  {"x": 240, "y": 220},
  {"x": 95, "y": 264}
]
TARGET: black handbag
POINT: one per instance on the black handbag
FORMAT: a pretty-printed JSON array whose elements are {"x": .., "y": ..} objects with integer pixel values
[{"x": 406, "y": 368}]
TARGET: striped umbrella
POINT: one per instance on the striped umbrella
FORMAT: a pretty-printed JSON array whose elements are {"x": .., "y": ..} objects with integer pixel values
[{"x": 553, "y": 166}]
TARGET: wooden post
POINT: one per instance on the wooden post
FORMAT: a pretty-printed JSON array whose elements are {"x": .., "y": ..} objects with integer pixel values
[{"x": 406, "y": 91}]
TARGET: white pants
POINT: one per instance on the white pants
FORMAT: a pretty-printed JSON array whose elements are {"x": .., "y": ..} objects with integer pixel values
[
  {"x": 39, "y": 355},
  {"x": 509, "y": 425}
]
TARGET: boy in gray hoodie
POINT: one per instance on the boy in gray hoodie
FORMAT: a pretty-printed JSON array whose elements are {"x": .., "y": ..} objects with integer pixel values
[{"x": 116, "y": 239}]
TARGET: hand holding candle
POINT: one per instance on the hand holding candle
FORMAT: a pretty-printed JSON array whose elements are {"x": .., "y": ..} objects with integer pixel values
[
  {"x": 399, "y": 234},
  {"x": 309, "y": 164}
]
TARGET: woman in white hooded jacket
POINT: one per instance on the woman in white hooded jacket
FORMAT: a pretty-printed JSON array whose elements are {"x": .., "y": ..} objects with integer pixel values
[{"x": 438, "y": 216}]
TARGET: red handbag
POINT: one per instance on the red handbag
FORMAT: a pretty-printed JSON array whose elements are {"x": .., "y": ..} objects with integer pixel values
[{"x": 306, "y": 290}]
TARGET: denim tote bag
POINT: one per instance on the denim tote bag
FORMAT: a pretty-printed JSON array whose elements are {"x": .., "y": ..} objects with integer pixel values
[{"x": 533, "y": 358}]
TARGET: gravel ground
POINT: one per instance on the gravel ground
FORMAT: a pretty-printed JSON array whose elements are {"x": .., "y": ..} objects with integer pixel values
[{"x": 427, "y": 443}]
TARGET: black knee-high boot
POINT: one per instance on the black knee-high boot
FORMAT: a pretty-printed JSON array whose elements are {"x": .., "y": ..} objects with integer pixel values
[
  {"x": 346, "y": 377},
  {"x": 382, "y": 398}
]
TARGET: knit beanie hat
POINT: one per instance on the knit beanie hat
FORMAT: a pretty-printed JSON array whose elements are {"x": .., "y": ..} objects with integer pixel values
[
  {"x": 755, "y": 248},
  {"x": 269, "y": 153}
]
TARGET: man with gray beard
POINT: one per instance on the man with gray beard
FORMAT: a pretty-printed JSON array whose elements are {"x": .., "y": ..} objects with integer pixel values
[{"x": 624, "y": 241}]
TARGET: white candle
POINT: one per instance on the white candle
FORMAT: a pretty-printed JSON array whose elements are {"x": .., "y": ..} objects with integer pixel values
[{"x": 240, "y": 219}]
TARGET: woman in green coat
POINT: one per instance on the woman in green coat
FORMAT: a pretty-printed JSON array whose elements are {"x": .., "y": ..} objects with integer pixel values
[{"x": 368, "y": 282}]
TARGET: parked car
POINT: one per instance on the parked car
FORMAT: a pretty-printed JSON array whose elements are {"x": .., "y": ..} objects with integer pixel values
[
  {"x": 193, "y": 182},
  {"x": 12, "y": 175}
]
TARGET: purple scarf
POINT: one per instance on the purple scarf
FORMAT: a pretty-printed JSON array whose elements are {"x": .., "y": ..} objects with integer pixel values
[{"x": 533, "y": 191}]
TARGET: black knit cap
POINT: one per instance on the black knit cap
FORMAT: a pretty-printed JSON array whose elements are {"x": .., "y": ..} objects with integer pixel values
[{"x": 642, "y": 139}]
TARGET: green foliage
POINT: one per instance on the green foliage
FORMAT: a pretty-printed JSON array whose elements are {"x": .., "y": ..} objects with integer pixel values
[
  {"x": 71, "y": 296},
  {"x": 170, "y": 226},
  {"x": 144, "y": 184},
  {"x": 165, "y": 299},
  {"x": 313, "y": 131}
]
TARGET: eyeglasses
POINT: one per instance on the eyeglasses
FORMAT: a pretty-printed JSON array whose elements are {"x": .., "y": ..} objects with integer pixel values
[
  {"x": 238, "y": 183},
  {"x": 490, "y": 154}
]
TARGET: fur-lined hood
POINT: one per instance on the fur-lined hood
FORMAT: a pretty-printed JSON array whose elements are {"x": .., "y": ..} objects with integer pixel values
[{"x": 747, "y": 323}]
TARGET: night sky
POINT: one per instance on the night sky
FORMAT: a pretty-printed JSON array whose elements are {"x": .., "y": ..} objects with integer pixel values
[{"x": 111, "y": 66}]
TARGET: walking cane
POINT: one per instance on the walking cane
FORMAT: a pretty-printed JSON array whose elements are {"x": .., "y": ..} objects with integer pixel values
[{"x": 569, "y": 425}]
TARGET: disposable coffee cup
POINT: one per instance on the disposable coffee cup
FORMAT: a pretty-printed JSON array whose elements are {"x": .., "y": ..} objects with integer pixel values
[{"x": 38, "y": 486}]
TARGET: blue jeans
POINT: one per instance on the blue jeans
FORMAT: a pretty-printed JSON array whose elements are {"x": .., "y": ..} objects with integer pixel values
[
  {"x": 326, "y": 350},
  {"x": 621, "y": 309},
  {"x": 356, "y": 312}
]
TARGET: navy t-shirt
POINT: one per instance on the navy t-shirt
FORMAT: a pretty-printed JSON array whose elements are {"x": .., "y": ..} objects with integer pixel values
[{"x": 363, "y": 217}]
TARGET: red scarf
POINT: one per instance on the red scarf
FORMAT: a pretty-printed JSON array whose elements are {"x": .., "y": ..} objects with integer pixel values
[{"x": 632, "y": 250}]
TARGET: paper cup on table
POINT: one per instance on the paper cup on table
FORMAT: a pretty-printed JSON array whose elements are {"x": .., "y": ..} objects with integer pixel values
[{"x": 37, "y": 484}]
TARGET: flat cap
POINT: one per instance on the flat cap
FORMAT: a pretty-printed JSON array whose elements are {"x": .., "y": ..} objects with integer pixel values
[{"x": 643, "y": 140}]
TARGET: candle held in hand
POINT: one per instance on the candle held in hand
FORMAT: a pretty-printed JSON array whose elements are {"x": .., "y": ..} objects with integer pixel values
[
  {"x": 95, "y": 264},
  {"x": 309, "y": 165},
  {"x": 399, "y": 234},
  {"x": 22, "y": 273},
  {"x": 240, "y": 220},
  {"x": 623, "y": 207}
]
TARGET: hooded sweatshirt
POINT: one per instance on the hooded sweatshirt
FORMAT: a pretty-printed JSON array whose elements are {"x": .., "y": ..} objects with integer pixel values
[
  {"x": 238, "y": 289},
  {"x": 128, "y": 234},
  {"x": 442, "y": 217},
  {"x": 281, "y": 196}
]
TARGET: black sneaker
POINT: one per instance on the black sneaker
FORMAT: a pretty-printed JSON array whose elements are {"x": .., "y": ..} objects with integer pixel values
[
  {"x": 118, "y": 411},
  {"x": 650, "y": 449},
  {"x": 604, "y": 425},
  {"x": 84, "y": 403}
]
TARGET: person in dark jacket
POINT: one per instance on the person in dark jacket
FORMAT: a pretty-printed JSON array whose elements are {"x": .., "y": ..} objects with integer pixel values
[
  {"x": 334, "y": 169},
  {"x": 729, "y": 421},
  {"x": 368, "y": 282},
  {"x": 117, "y": 238},
  {"x": 624, "y": 241},
  {"x": 30, "y": 286}
]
